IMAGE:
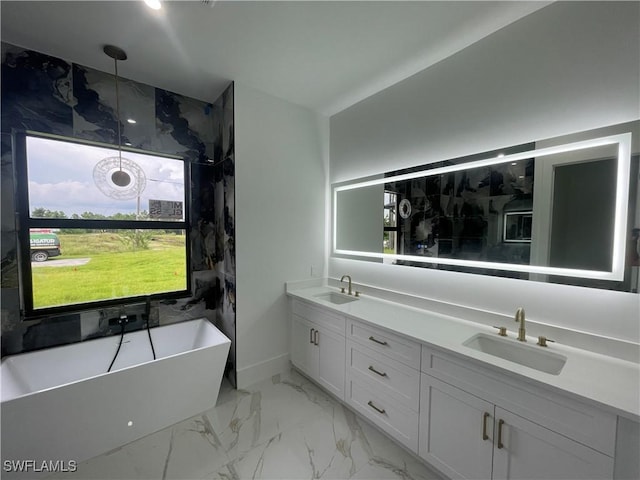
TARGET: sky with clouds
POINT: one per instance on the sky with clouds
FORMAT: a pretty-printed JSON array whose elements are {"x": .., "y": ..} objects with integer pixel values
[{"x": 61, "y": 178}]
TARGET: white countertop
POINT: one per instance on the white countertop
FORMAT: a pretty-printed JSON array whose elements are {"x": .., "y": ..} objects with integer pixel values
[{"x": 606, "y": 381}]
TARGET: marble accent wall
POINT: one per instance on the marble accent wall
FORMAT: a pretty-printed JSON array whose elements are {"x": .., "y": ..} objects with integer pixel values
[
  {"x": 50, "y": 95},
  {"x": 213, "y": 255},
  {"x": 224, "y": 215}
]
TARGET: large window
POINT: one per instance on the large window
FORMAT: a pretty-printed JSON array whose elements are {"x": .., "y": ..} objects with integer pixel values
[
  {"x": 98, "y": 227},
  {"x": 390, "y": 211}
]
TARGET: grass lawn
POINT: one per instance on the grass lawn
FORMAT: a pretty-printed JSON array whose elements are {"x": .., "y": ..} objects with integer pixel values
[{"x": 114, "y": 271}]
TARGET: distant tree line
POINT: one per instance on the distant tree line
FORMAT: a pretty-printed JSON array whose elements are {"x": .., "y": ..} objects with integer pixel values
[
  {"x": 128, "y": 236},
  {"x": 46, "y": 213}
]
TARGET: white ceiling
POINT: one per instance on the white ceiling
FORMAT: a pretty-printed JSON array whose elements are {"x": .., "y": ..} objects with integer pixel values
[{"x": 324, "y": 55}]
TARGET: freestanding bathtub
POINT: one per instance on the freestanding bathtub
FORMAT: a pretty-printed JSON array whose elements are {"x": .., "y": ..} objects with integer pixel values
[{"x": 61, "y": 407}]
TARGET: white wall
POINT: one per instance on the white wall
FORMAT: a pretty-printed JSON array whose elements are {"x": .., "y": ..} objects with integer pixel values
[
  {"x": 566, "y": 68},
  {"x": 281, "y": 178}
]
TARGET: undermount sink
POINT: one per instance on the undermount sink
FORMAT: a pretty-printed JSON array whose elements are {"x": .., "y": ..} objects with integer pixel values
[
  {"x": 530, "y": 356},
  {"x": 335, "y": 298}
]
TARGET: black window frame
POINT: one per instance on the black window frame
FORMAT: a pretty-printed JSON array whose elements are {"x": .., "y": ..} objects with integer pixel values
[
  {"x": 393, "y": 229},
  {"x": 24, "y": 223}
]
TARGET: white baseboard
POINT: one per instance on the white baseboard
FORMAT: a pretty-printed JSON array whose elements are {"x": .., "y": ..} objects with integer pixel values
[{"x": 263, "y": 370}]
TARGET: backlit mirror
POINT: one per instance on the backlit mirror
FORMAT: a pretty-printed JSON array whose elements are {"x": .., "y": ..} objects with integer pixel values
[{"x": 564, "y": 213}]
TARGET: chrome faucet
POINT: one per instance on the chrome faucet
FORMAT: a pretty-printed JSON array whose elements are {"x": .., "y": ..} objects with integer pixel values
[
  {"x": 520, "y": 318},
  {"x": 342, "y": 279}
]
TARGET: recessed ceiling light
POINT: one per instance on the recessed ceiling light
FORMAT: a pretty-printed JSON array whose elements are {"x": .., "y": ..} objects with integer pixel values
[
  {"x": 154, "y": 4},
  {"x": 514, "y": 163},
  {"x": 131, "y": 120}
]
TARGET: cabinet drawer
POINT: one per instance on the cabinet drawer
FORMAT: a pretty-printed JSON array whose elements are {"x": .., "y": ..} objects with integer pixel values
[
  {"x": 381, "y": 341},
  {"x": 559, "y": 413},
  {"x": 398, "y": 421},
  {"x": 383, "y": 374},
  {"x": 325, "y": 318}
]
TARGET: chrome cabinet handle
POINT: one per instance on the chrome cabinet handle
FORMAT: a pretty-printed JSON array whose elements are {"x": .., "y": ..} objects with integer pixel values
[
  {"x": 311, "y": 335},
  {"x": 379, "y": 410},
  {"x": 484, "y": 426},
  {"x": 382, "y": 374},
  {"x": 377, "y": 341},
  {"x": 316, "y": 336},
  {"x": 500, "y": 424}
]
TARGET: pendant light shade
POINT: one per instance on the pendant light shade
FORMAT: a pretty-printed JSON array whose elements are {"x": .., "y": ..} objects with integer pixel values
[{"x": 118, "y": 177}]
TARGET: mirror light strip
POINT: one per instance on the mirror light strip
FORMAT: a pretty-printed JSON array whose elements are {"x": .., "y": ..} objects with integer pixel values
[
  {"x": 621, "y": 202},
  {"x": 567, "y": 272},
  {"x": 570, "y": 147},
  {"x": 622, "y": 206}
]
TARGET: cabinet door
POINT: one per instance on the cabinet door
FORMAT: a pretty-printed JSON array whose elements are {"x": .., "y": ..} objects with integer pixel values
[
  {"x": 456, "y": 430},
  {"x": 331, "y": 361},
  {"x": 304, "y": 354},
  {"x": 529, "y": 451}
]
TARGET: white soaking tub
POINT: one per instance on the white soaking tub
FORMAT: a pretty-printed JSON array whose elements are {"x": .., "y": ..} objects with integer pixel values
[{"x": 61, "y": 407}]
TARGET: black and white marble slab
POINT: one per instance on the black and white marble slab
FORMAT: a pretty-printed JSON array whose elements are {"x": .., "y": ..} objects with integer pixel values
[
  {"x": 36, "y": 91},
  {"x": 95, "y": 110},
  {"x": 183, "y": 125}
]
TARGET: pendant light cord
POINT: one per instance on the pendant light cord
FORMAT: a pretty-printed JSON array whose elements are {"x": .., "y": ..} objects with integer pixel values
[
  {"x": 115, "y": 60},
  {"x": 123, "y": 324}
]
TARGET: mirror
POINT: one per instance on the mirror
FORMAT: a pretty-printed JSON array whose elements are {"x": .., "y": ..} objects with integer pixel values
[{"x": 563, "y": 213}]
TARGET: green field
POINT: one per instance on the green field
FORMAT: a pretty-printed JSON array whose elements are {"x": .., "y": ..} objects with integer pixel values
[{"x": 115, "y": 270}]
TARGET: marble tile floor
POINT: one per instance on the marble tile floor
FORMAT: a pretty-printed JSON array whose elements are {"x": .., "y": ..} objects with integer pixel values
[{"x": 282, "y": 428}]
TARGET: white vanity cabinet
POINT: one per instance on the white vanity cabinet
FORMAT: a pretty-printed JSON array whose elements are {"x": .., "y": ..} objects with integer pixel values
[
  {"x": 383, "y": 380},
  {"x": 318, "y": 345},
  {"x": 468, "y": 418},
  {"x": 476, "y": 424}
]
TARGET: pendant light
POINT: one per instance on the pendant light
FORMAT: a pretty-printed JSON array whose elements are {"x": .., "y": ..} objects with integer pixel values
[{"x": 119, "y": 177}]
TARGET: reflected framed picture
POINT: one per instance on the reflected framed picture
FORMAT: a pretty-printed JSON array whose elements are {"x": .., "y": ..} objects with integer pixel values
[{"x": 517, "y": 227}]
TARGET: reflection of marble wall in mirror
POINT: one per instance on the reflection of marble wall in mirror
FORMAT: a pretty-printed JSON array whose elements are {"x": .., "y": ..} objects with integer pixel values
[
  {"x": 460, "y": 214},
  {"x": 555, "y": 211}
]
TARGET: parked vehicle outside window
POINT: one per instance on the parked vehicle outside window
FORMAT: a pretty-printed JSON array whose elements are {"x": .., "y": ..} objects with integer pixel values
[{"x": 43, "y": 244}]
